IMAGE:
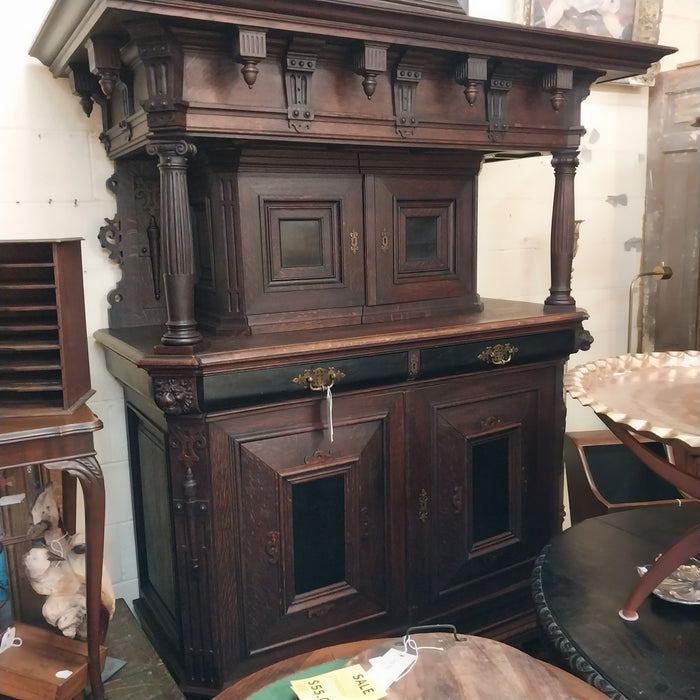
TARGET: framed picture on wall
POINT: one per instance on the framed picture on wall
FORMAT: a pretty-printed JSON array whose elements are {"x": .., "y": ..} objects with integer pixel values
[{"x": 620, "y": 19}]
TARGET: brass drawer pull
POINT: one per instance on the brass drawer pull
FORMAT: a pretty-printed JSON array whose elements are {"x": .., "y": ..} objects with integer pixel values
[
  {"x": 498, "y": 354},
  {"x": 319, "y": 379}
]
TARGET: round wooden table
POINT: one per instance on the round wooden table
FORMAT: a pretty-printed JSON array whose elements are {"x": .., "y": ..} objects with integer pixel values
[
  {"x": 578, "y": 583},
  {"x": 464, "y": 667}
]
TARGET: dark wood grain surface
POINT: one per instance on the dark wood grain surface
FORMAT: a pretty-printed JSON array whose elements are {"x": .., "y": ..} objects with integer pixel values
[{"x": 582, "y": 581}]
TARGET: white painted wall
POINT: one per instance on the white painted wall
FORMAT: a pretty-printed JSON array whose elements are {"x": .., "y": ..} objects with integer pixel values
[{"x": 53, "y": 171}]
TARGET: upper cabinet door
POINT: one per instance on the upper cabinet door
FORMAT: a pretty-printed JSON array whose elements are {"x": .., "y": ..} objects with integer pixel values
[
  {"x": 423, "y": 239},
  {"x": 302, "y": 242}
]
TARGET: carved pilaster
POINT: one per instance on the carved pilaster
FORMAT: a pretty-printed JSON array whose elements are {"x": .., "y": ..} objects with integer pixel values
[
  {"x": 562, "y": 236},
  {"x": 472, "y": 72},
  {"x": 496, "y": 106},
  {"x": 558, "y": 80},
  {"x": 187, "y": 444},
  {"x": 369, "y": 62},
  {"x": 105, "y": 62},
  {"x": 300, "y": 64},
  {"x": 406, "y": 79},
  {"x": 177, "y": 242},
  {"x": 250, "y": 49}
]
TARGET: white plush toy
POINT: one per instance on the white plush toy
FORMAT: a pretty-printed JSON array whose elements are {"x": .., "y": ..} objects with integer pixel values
[{"x": 57, "y": 570}]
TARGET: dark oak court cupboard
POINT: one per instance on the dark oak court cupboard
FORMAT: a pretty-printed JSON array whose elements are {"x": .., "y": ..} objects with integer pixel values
[{"x": 332, "y": 435}]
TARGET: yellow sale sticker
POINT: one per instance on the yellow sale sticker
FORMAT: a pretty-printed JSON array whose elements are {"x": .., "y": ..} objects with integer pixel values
[{"x": 350, "y": 683}]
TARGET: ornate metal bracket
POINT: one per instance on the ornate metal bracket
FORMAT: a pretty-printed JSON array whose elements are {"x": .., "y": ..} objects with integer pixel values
[
  {"x": 496, "y": 106},
  {"x": 250, "y": 49},
  {"x": 472, "y": 72},
  {"x": 498, "y": 354},
  {"x": 406, "y": 79},
  {"x": 319, "y": 379},
  {"x": 104, "y": 60},
  {"x": 369, "y": 62},
  {"x": 557, "y": 80},
  {"x": 300, "y": 64}
]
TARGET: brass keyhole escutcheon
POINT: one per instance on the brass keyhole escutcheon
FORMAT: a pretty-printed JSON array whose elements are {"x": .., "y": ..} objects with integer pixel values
[
  {"x": 354, "y": 242},
  {"x": 385, "y": 240}
]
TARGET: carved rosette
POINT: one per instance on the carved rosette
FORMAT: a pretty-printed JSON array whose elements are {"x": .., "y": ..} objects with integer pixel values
[
  {"x": 176, "y": 396},
  {"x": 562, "y": 235}
]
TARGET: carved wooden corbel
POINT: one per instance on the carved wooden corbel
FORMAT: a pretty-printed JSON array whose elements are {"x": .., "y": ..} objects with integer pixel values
[
  {"x": 250, "y": 49},
  {"x": 105, "y": 61},
  {"x": 472, "y": 72},
  {"x": 557, "y": 80},
  {"x": 406, "y": 78},
  {"x": 84, "y": 85},
  {"x": 163, "y": 59},
  {"x": 369, "y": 62},
  {"x": 300, "y": 64},
  {"x": 496, "y": 105}
]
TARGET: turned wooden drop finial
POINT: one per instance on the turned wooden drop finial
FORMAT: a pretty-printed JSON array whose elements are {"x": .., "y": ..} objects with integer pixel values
[{"x": 250, "y": 49}]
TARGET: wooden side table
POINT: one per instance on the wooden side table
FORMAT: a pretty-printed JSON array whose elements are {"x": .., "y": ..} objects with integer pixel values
[
  {"x": 463, "y": 666},
  {"x": 64, "y": 442}
]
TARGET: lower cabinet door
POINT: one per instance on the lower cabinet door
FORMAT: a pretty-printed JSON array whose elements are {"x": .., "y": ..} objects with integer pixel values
[
  {"x": 320, "y": 523},
  {"x": 477, "y": 459}
]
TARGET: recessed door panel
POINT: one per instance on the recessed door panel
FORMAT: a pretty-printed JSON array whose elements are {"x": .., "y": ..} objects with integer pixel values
[
  {"x": 317, "y": 522},
  {"x": 423, "y": 239},
  {"x": 476, "y": 441},
  {"x": 302, "y": 242}
]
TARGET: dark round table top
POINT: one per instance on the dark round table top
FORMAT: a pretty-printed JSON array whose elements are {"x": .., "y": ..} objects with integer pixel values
[{"x": 581, "y": 581}]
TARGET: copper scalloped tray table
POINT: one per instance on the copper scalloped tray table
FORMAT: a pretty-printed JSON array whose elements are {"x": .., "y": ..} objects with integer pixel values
[{"x": 657, "y": 395}]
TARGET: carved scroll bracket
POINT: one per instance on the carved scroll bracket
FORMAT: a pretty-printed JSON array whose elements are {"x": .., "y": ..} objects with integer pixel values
[
  {"x": 496, "y": 106},
  {"x": 558, "y": 80},
  {"x": 250, "y": 49},
  {"x": 105, "y": 61},
  {"x": 369, "y": 62},
  {"x": 300, "y": 64},
  {"x": 472, "y": 73},
  {"x": 407, "y": 75}
]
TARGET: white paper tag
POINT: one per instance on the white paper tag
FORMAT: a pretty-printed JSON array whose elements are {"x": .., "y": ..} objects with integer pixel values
[
  {"x": 388, "y": 668},
  {"x": 9, "y": 640},
  {"x": 12, "y": 499}
]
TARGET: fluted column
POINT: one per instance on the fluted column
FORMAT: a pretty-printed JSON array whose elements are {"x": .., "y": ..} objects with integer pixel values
[
  {"x": 562, "y": 236},
  {"x": 177, "y": 243}
]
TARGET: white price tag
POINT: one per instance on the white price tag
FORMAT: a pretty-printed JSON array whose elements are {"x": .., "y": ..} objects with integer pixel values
[{"x": 388, "y": 668}]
